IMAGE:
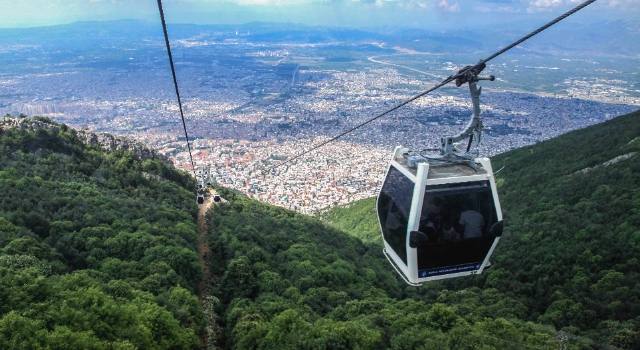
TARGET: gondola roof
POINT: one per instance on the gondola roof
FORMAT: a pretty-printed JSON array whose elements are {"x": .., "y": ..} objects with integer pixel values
[{"x": 440, "y": 170}]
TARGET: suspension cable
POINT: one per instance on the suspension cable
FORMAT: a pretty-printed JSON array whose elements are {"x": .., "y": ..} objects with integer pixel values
[
  {"x": 477, "y": 67},
  {"x": 175, "y": 83}
]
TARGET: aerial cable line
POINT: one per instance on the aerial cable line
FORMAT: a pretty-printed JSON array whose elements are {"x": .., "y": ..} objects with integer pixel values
[
  {"x": 458, "y": 77},
  {"x": 175, "y": 83}
]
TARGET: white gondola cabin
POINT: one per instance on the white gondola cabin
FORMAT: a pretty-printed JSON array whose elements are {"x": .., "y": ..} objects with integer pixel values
[
  {"x": 438, "y": 220},
  {"x": 439, "y": 215}
]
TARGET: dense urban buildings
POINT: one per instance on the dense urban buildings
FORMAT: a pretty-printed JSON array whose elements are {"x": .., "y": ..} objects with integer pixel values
[{"x": 252, "y": 107}]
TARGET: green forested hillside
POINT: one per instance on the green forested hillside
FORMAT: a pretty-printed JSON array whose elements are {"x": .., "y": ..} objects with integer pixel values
[
  {"x": 569, "y": 255},
  {"x": 573, "y": 240},
  {"x": 94, "y": 252},
  {"x": 288, "y": 281},
  {"x": 98, "y": 251},
  {"x": 358, "y": 218}
]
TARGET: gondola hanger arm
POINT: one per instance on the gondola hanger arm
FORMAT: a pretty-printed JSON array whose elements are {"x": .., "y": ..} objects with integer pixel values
[{"x": 474, "y": 127}]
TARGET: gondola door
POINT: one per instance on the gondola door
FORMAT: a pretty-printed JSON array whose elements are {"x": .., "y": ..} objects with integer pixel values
[{"x": 462, "y": 218}]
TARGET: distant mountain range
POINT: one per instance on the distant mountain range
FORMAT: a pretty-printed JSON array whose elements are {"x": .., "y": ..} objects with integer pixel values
[{"x": 617, "y": 38}]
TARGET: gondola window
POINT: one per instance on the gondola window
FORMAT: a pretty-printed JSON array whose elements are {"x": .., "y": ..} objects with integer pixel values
[{"x": 394, "y": 205}]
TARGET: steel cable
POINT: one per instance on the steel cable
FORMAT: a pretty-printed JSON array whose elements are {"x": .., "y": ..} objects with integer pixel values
[{"x": 175, "y": 83}]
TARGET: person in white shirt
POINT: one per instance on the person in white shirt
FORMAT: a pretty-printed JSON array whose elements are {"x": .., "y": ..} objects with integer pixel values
[{"x": 472, "y": 221}]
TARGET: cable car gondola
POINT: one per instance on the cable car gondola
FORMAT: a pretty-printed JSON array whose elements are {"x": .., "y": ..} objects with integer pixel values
[{"x": 439, "y": 215}]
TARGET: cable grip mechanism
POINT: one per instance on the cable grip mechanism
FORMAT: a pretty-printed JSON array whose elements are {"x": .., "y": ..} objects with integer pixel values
[{"x": 473, "y": 129}]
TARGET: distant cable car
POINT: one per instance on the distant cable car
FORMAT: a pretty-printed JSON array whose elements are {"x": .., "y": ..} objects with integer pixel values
[
  {"x": 440, "y": 215},
  {"x": 200, "y": 198},
  {"x": 216, "y": 198}
]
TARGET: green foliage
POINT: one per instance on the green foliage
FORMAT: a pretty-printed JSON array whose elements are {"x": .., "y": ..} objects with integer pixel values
[
  {"x": 81, "y": 312},
  {"x": 570, "y": 248},
  {"x": 45, "y": 120},
  {"x": 289, "y": 281},
  {"x": 93, "y": 255},
  {"x": 358, "y": 218}
]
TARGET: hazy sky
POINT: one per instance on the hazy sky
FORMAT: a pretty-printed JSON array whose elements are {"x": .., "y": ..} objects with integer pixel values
[{"x": 350, "y": 13}]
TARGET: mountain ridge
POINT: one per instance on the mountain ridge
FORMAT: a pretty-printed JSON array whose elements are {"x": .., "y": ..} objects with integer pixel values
[
  {"x": 79, "y": 224},
  {"x": 107, "y": 141},
  {"x": 574, "y": 39}
]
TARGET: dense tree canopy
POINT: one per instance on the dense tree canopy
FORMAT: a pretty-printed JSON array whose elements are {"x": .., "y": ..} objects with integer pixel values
[
  {"x": 93, "y": 253},
  {"x": 571, "y": 245},
  {"x": 288, "y": 281}
]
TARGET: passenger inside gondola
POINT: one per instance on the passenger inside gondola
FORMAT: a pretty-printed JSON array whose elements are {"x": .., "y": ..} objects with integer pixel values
[
  {"x": 471, "y": 222},
  {"x": 430, "y": 228},
  {"x": 434, "y": 207}
]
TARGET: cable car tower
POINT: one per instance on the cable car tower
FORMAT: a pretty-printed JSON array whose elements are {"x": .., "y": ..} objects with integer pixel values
[
  {"x": 203, "y": 176},
  {"x": 439, "y": 214}
]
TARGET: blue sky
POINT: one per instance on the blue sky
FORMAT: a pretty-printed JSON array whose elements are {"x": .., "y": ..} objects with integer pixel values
[{"x": 349, "y": 13}]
